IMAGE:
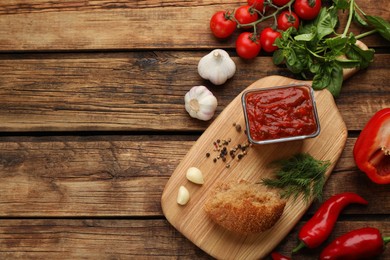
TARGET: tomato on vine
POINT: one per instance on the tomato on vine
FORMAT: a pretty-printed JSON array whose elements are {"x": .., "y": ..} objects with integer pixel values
[
  {"x": 258, "y": 4},
  {"x": 267, "y": 39},
  {"x": 222, "y": 24},
  {"x": 286, "y": 20},
  {"x": 280, "y": 2},
  {"x": 307, "y": 9},
  {"x": 248, "y": 45},
  {"x": 246, "y": 14}
]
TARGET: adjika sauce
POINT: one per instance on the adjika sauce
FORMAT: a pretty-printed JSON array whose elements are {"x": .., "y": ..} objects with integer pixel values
[{"x": 280, "y": 113}]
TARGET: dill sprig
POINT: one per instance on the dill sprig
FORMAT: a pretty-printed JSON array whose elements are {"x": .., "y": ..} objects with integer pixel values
[{"x": 300, "y": 174}]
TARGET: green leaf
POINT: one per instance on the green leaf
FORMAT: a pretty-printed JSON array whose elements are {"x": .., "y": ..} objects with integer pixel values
[
  {"x": 286, "y": 34},
  {"x": 380, "y": 24},
  {"x": 330, "y": 77},
  {"x": 314, "y": 67},
  {"x": 336, "y": 79},
  {"x": 320, "y": 81},
  {"x": 305, "y": 37},
  {"x": 364, "y": 56},
  {"x": 359, "y": 19},
  {"x": 278, "y": 57},
  {"x": 336, "y": 44},
  {"x": 341, "y": 4},
  {"x": 291, "y": 58},
  {"x": 348, "y": 63},
  {"x": 326, "y": 21}
]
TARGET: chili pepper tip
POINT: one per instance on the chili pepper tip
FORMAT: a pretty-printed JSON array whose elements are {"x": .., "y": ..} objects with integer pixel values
[{"x": 298, "y": 247}]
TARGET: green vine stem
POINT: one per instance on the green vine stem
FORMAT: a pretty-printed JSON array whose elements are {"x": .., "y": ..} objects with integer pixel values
[
  {"x": 351, "y": 10},
  {"x": 366, "y": 34},
  {"x": 263, "y": 17}
]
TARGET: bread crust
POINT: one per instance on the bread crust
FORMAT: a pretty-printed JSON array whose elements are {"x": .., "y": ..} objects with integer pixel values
[{"x": 243, "y": 208}]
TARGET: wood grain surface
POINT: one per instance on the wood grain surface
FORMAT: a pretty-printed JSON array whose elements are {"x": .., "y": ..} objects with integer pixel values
[
  {"x": 93, "y": 125},
  {"x": 122, "y": 25},
  {"x": 113, "y": 92}
]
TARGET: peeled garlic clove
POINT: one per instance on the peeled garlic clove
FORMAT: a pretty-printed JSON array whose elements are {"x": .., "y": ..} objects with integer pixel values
[
  {"x": 195, "y": 175},
  {"x": 183, "y": 196}
]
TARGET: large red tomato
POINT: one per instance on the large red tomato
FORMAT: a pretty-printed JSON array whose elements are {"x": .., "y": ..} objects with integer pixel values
[
  {"x": 307, "y": 9},
  {"x": 247, "y": 45},
  {"x": 267, "y": 39},
  {"x": 222, "y": 25}
]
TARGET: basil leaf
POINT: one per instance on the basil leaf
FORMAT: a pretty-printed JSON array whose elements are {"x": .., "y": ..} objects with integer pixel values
[
  {"x": 348, "y": 63},
  {"x": 364, "y": 56},
  {"x": 336, "y": 79},
  {"x": 380, "y": 24},
  {"x": 330, "y": 77},
  {"x": 305, "y": 37},
  {"x": 359, "y": 20},
  {"x": 326, "y": 22},
  {"x": 320, "y": 81},
  {"x": 314, "y": 67},
  {"x": 278, "y": 57},
  {"x": 341, "y": 4},
  {"x": 336, "y": 44}
]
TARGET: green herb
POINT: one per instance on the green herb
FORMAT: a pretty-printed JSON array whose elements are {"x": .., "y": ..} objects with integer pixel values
[
  {"x": 300, "y": 174},
  {"x": 315, "y": 50}
]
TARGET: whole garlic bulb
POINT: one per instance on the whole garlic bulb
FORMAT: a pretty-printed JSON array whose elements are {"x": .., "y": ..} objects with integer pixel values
[
  {"x": 200, "y": 103},
  {"x": 217, "y": 66}
]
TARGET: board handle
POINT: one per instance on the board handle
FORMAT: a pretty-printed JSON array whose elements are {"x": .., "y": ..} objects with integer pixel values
[{"x": 347, "y": 73}]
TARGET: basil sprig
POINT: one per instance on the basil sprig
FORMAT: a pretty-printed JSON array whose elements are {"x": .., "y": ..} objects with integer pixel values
[{"x": 317, "y": 52}]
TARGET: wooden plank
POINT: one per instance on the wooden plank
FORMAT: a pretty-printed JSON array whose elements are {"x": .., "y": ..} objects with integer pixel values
[
  {"x": 121, "y": 176},
  {"x": 78, "y": 25},
  {"x": 113, "y": 92},
  {"x": 125, "y": 239}
]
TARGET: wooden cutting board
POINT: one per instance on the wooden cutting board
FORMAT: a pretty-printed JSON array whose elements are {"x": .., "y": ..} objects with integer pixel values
[{"x": 191, "y": 219}]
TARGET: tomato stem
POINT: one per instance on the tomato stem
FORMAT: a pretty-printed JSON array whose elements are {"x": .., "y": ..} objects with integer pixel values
[{"x": 263, "y": 17}]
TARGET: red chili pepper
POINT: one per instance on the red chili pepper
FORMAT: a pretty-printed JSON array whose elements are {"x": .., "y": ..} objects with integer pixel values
[
  {"x": 364, "y": 243},
  {"x": 372, "y": 148},
  {"x": 319, "y": 227},
  {"x": 277, "y": 256}
]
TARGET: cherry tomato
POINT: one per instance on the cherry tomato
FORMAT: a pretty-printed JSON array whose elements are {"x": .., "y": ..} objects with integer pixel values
[
  {"x": 247, "y": 45},
  {"x": 245, "y": 14},
  {"x": 222, "y": 25},
  {"x": 307, "y": 9},
  {"x": 258, "y": 4},
  {"x": 267, "y": 39},
  {"x": 287, "y": 20},
  {"x": 280, "y": 2}
]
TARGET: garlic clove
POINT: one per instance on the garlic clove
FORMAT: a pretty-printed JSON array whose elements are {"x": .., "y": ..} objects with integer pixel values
[
  {"x": 217, "y": 66},
  {"x": 195, "y": 175},
  {"x": 183, "y": 196}
]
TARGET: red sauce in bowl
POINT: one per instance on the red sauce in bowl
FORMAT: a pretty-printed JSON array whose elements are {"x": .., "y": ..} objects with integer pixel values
[{"x": 280, "y": 113}]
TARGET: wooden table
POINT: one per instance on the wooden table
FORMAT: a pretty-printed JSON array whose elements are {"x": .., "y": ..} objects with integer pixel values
[{"x": 93, "y": 125}]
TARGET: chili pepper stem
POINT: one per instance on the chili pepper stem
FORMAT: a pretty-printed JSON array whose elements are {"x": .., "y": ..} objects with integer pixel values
[
  {"x": 386, "y": 240},
  {"x": 298, "y": 247}
]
